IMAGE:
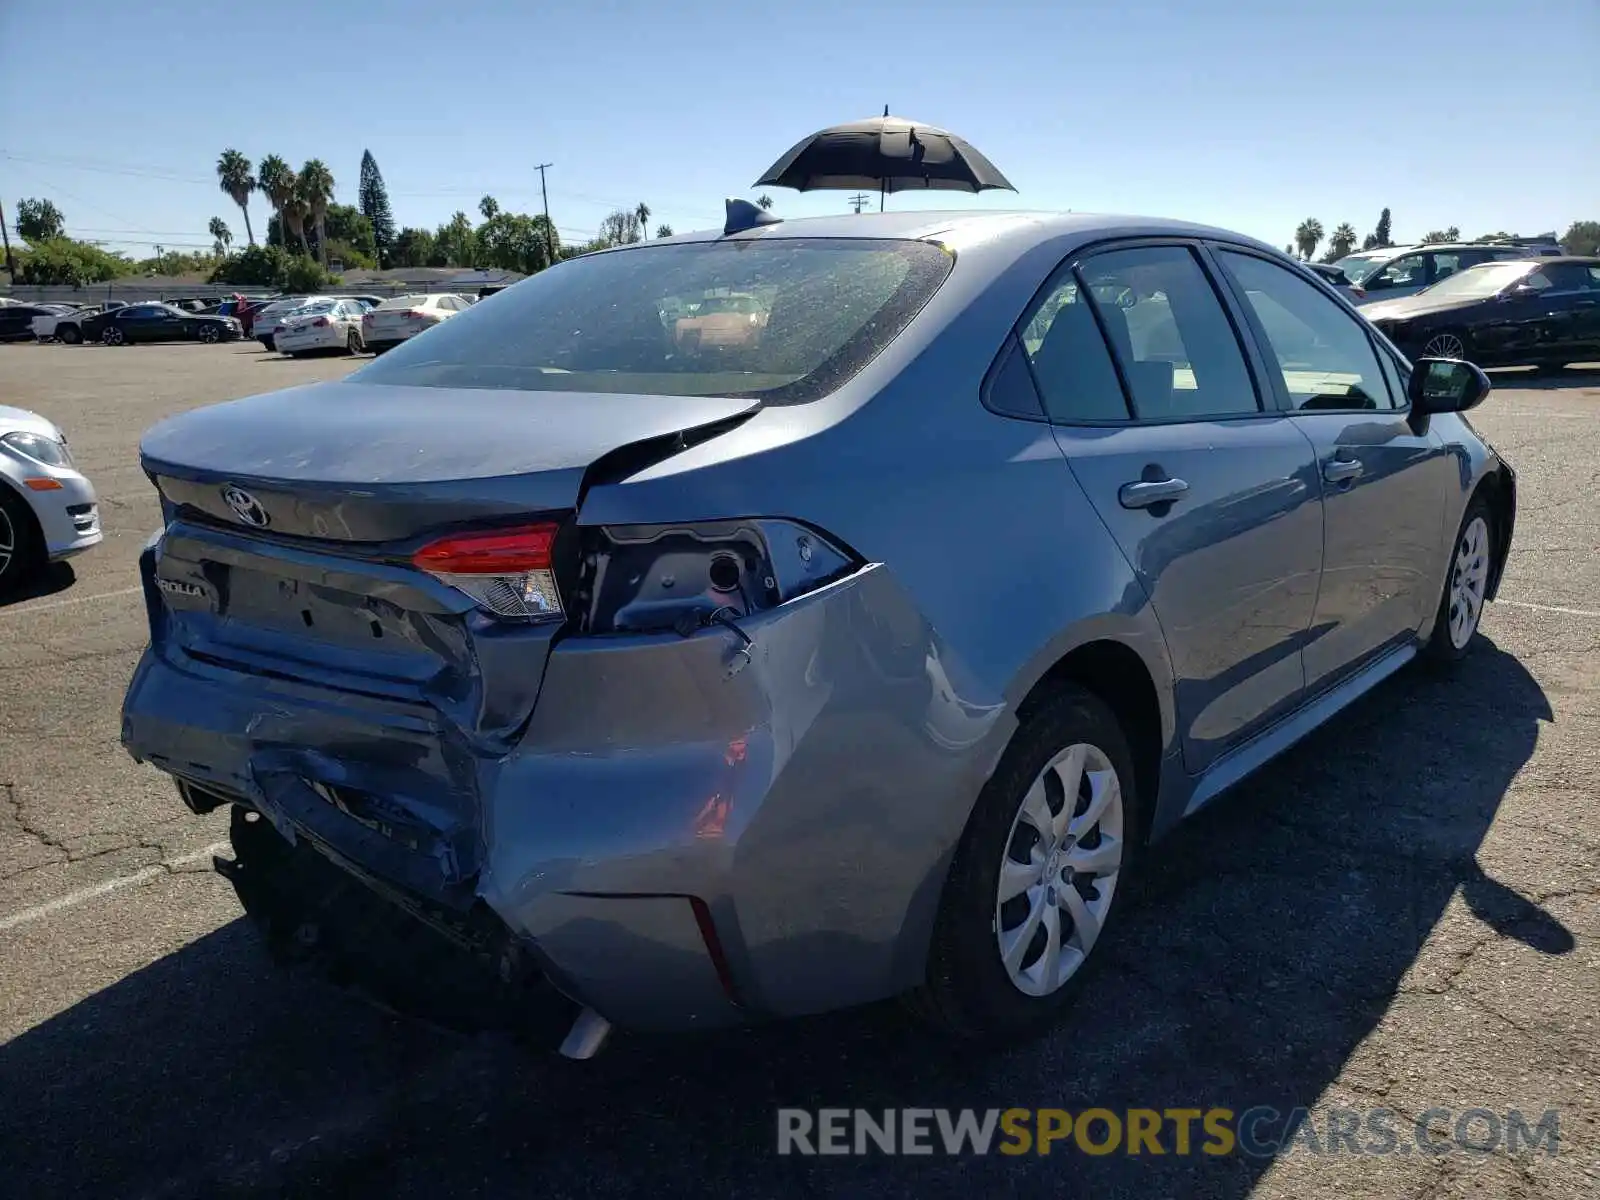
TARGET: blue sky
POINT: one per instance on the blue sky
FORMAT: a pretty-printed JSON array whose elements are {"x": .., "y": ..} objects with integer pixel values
[{"x": 1244, "y": 114}]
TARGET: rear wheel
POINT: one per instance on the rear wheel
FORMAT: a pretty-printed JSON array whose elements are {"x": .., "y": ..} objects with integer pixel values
[
  {"x": 1447, "y": 343},
  {"x": 352, "y": 342},
  {"x": 1036, "y": 876},
  {"x": 112, "y": 336},
  {"x": 21, "y": 544},
  {"x": 1466, "y": 586}
]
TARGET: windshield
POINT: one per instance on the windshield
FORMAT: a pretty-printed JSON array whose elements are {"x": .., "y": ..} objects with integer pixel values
[
  {"x": 632, "y": 321},
  {"x": 1357, "y": 266},
  {"x": 1483, "y": 280}
]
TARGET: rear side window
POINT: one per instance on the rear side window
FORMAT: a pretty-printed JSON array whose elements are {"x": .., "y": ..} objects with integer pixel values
[
  {"x": 1069, "y": 358},
  {"x": 783, "y": 319},
  {"x": 1169, "y": 332}
]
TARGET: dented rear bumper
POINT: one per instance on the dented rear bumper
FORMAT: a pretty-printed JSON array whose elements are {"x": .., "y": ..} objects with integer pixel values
[{"x": 680, "y": 839}]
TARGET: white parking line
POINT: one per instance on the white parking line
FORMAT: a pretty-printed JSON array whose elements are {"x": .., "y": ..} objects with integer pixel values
[
  {"x": 67, "y": 603},
  {"x": 84, "y": 895},
  {"x": 1550, "y": 608}
]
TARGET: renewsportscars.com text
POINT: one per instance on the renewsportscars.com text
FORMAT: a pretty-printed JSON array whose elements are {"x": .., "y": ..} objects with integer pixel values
[{"x": 1261, "y": 1131}]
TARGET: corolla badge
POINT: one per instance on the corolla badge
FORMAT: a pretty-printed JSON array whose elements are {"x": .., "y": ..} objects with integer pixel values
[{"x": 245, "y": 506}]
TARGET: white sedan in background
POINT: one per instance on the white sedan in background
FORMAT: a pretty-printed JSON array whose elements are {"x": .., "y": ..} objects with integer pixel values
[
  {"x": 48, "y": 509},
  {"x": 321, "y": 325},
  {"x": 393, "y": 321}
]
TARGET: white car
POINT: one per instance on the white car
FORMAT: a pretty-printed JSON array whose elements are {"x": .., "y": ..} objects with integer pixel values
[
  {"x": 326, "y": 324},
  {"x": 45, "y": 327},
  {"x": 264, "y": 324},
  {"x": 48, "y": 509},
  {"x": 393, "y": 321}
]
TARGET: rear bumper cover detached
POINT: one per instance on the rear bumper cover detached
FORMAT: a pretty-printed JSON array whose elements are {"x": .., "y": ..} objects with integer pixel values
[{"x": 677, "y": 843}]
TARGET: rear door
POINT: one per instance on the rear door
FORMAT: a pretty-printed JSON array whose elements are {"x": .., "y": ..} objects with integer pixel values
[
  {"x": 1211, "y": 494},
  {"x": 1383, "y": 484},
  {"x": 1572, "y": 311}
]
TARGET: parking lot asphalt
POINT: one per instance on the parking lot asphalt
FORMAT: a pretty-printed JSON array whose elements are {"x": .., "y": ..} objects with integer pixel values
[{"x": 1402, "y": 913}]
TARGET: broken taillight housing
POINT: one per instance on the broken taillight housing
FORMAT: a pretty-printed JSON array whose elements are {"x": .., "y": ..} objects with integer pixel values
[{"x": 510, "y": 572}]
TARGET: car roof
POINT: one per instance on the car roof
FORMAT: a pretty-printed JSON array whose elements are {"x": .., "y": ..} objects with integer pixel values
[{"x": 934, "y": 225}]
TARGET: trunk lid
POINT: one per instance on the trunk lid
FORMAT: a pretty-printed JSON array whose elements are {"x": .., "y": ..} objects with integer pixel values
[{"x": 292, "y": 518}]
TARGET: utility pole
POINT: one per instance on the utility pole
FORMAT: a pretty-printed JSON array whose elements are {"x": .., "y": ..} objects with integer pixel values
[
  {"x": 549, "y": 229},
  {"x": 859, "y": 201},
  {"x": 11, "y": 264}
]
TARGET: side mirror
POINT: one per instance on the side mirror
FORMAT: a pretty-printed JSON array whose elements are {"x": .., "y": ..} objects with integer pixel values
[{"x": 1446, "y": 385}]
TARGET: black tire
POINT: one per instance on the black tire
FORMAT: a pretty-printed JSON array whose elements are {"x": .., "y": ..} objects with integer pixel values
[
  {"x": 19, "y": 530},
  {"x": 1442, "y": 648},
  {"x": 210, "y": 334},
  {"x": 70, "y": 334},
  {"x": 1460, "y": 336},
  {"x": 1549, "y": 368},
  {"x": 967, "y": 993},
  {"x": 352, "y": 342},
  {"x": 112, "y": 336},
  {"x": 268, "y": 343}
]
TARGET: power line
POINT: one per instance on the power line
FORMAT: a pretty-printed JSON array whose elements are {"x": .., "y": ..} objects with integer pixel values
[{"x": 859, "y": 201}]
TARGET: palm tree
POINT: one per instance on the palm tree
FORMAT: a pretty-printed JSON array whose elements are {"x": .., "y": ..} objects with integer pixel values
[
  {"x": 277, "y": 183},
  {"x": 764, "y": 200},
  {"x": 643, "y": 213},
  {"x": 1307, "y": 237},
  {"x": 489, "y": 207},
  {"x": 221, "y": 235},
  {"x": 233, "y": 176},
  {"x": 295, "y": 211},
  {"x": 1342, "y": 242},
  {"x": 316, "y": 190}
]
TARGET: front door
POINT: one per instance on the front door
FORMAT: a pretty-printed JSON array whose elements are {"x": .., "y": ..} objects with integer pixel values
[
  {"x": 1383, "y": 485},
  {"x": 1212, "y": 497}
]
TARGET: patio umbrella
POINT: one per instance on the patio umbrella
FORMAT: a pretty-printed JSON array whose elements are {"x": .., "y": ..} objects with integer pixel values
[{"x": 892, "y": 154}]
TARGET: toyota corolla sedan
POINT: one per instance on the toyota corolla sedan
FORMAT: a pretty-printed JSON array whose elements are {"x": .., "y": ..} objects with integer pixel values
[
  {"x": 860, "y": 659},
  {"x": 48, "y": 509}
]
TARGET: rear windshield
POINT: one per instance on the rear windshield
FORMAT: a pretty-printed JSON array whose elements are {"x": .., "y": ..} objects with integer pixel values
[
  {"x": 783, "y": 319},
  {"x": 402, "y": 302}
]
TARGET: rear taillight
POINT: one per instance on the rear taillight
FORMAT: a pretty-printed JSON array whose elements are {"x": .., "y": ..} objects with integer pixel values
[
  {"x": 507, "y": 571},
  {"x": 417, "y": 314},
  {"x": 1356, "y": 290},
  {"x": 320, "y": 323},
  {"x": 366, "y": 318}
]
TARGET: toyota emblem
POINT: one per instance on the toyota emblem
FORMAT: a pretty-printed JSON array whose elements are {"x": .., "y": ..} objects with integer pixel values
[{"x": 245, "y": 506}]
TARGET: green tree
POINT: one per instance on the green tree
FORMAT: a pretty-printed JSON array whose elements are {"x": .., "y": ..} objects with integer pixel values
[
  {"x": 620, "y": 228},
  {"x": 234, "y": 178},
  {"x": 221, "y": 236},
  {"x": 308, "y": 275},
  {"x": 316, "y": 191},
  {"x": 1582, "y": 238},
  {"x": 1307, "y": 237},
  {"x": 454, "y": 244},
  {"x": 513, "y": 242},
  {"x": 257, "y": 266},
  {"x": 663, "y": 231},
  {"x": 1385, "y": 228},
  {"x": 764, "y": 200},
  {"x": 642, "y": 211},
  {"x": 277, "y": 184},
  {"x": 412, "y": 248},
  {"x": 374, "y": 201},
  {"x": 1341, "y": 242},
  {"x": 489, "y": 207},
  {"x": 61, "y": 260},
  {"x": 39, "y": 221}
]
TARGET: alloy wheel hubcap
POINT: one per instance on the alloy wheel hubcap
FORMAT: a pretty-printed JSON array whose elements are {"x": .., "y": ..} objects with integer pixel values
[
  {"x": 1445, "y": 345},
  {"x": 8, "y": 541},
  {"x": 1469, "y": 577},
  {"x": 1059, "y": 870}
]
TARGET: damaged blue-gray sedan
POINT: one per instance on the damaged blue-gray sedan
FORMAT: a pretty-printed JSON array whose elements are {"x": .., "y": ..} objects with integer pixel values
[{"x": 765, "y": 621}]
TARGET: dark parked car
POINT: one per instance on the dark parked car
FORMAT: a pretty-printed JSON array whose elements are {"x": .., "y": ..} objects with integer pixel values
[
  {"x": 157, "y": 323},
  {"x": 1542, "y": 311},
  {"x": 863, "y": 657},
  {"x": 16, "y": 320}
]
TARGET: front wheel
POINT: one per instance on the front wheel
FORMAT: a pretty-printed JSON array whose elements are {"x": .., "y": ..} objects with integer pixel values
[
  {"x": 210, "y": 334},
  {"x": 70, "y": 334},
  {"x": 1466, "y": 586},
  {"x": 1036, "y": 876},
  {"x": 21, "y": 545}
]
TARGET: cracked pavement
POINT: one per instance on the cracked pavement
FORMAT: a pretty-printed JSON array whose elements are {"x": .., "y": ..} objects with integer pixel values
[{"x": 1402, "y": 913}]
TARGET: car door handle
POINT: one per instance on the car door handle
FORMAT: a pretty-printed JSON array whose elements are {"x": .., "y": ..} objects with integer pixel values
[
  {"x": 1338, "y": 470},
  {"x": 1148, "y": 492}
]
